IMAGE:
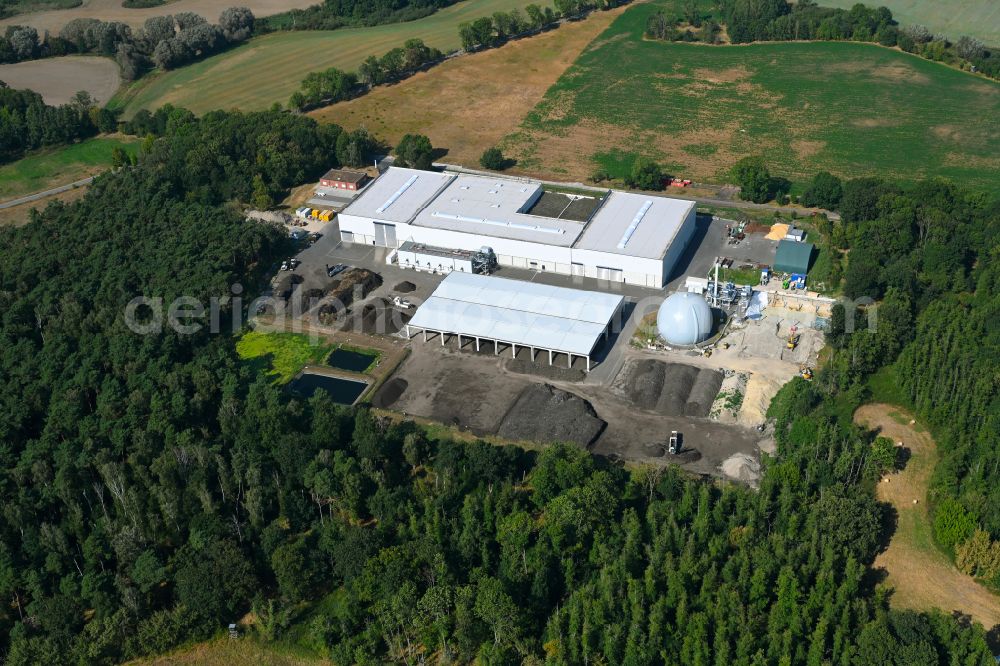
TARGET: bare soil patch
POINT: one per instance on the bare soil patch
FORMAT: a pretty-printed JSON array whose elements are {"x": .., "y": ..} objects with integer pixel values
[
  {"x": 57, "y": 80},
  {"x": 921, "y": 576},
  {"x": 731, "y": 75},
  {"x": 467, "y": 104},
  {"x": 478, "y": 393},
  {"x": 805, "y": 149}
]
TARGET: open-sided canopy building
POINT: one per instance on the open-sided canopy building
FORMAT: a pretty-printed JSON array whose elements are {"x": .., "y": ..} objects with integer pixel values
[
  {"x": 617, "y": 236},
  {"x": 539, "y": 317}
]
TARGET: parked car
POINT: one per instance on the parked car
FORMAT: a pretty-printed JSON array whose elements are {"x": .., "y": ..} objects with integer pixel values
[
  {"x": 332, "y": 271},
  {"x": 285, "y": 266},
  {"x": 402, "y": 303}
]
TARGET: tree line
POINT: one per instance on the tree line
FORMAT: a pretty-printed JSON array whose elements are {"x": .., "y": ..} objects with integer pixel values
[
  {"x": 777, "y": 20},
  {"x": 334, "y": 85},
  {"x": 28, "y": 123},
  {"x": 333, "y": 14},
  {"x": 491, "y": 31},
  {"x": 156, "y": 489},
  {"x": 163, "y": 41}
]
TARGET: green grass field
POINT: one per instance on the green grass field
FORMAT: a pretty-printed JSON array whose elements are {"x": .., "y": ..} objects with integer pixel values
[
  {"x": 845, "y": 107},
  {"x": 954, "y": 18},
  {"x": 59, "y": 166},
  {"x": 271, "y": 68},
  {"x": 281, "y": 355}
]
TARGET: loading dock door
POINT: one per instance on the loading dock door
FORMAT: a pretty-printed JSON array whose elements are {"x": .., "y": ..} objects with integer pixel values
[
  {"x": 610, "y": 274},
  {"x": 385, "y": 234},
  {"x": 577, "y": 269}
]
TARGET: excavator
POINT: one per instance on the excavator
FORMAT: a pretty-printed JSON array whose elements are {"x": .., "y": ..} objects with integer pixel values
[
  {"x": 806, "y": 373},
  {"x": 793, "y": 341}
]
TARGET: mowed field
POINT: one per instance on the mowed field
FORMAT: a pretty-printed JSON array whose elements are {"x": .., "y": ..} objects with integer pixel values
[
  {"x": 53, "y": 167},
  {"x": 496, "y": 88},
  {"x": 58, "y": 79},
  {"x": 271, "y": 68},
  {"x": 953, "y": 18},
  {"x": 53, "y": 20},
  {"x": 849, "y": 108}
]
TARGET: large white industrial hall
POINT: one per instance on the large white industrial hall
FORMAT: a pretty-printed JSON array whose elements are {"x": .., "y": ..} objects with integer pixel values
[
  {"x": 612, "y": 236},
  {"x": 537, "y": 317}
]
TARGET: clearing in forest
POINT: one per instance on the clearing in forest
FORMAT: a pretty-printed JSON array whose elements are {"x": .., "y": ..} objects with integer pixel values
[
  {"x": 52, "y": 167},
  {"x": 57, "y": 80},
  {"x": 849, "y": 108},
  {"x": 265, "y": 70},
  {"x": 497, "y": 88},
  {"x": 920, "y": 575}
]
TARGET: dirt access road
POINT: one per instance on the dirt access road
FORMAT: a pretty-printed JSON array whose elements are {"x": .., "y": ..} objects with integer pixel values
[{"x": 920, "y": 574}]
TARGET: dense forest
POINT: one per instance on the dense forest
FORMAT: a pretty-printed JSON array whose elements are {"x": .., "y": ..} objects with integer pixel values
[
  {"x": 28, "y": 123},
  {"x": 927, "y": 253},
  {"x": 155, "y": 489},
  {"x": 777, "y": 20}
]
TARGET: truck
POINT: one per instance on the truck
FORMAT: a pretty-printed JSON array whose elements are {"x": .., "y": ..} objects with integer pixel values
[{"x": 674, "y": 443}]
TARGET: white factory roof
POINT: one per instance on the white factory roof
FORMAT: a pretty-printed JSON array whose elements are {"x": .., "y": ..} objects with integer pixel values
[
  {"x": 398, "y": 194},
  {"x": 522, "y": 313},
  {"x": 494, "y": 207},
  {"x": 636, "y": 225}
]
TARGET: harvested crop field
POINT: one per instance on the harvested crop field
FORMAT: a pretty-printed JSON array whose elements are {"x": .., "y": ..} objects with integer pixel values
[
  {"x": 57, "y": 80},
  {"x": 673, "y": 389},
  {"x": 112, "y": 10},
  {"x": 548, "y": 414},
  {"x": 269, "y": 69},
  {"x": 496, "y": 88},
  {"x": 952, "y": 18},
  {"x": 849, "y": 108}
]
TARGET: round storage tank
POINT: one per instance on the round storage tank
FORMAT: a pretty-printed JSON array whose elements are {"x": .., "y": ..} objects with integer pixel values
[{"x": 684, "y": 319}]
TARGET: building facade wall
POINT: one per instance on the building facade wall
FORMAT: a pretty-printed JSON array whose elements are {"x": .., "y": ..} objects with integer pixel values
[
  {"x": 596, "y": 264},
  {"x": 680, "y": 243}
]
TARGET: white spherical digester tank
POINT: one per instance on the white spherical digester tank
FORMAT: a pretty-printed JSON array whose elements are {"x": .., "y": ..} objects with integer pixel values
[{"x": 684, "y": 319}]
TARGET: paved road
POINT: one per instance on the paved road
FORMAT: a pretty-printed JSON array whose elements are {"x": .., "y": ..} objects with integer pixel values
[{"x": 47, "y": 193}]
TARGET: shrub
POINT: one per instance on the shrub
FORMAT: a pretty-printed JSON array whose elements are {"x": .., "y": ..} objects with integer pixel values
[{"x": 492, "y": 159}]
